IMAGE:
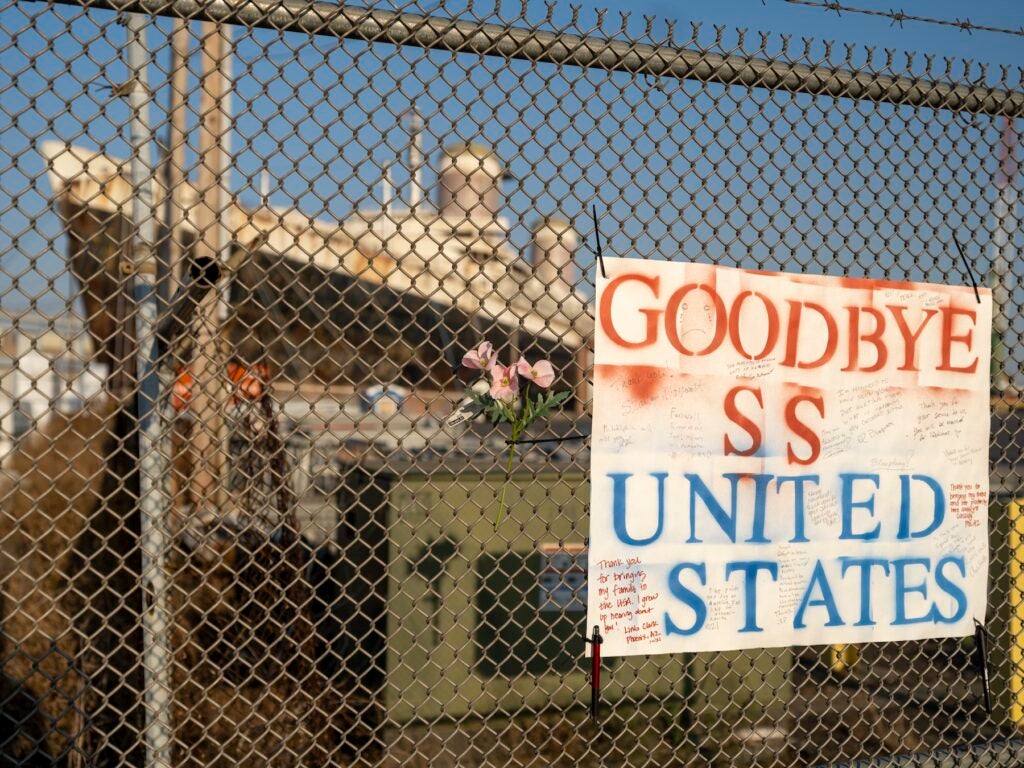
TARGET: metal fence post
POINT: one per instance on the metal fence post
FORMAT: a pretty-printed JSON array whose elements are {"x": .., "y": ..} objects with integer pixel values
[{"x": 153, "y": 462}]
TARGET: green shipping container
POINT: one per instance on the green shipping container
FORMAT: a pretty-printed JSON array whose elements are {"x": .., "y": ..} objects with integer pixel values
[
  {"x": 483, "y": 622},
  {"x": 487, "y": 621}
]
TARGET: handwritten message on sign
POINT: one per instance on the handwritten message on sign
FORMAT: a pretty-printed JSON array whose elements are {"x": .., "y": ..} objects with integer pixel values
[{"x": 785, "y": 459}]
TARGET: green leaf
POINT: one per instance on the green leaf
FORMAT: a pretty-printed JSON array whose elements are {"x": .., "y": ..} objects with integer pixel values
[
  {"x": 547, "y": 402},
  {"x": 495, "y": 412}
]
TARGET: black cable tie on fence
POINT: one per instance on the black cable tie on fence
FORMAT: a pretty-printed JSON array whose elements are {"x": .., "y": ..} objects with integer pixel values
[
  {"x": 967, "y": 266},
  {"x": 595, "y": 641},
  {"x": 597, "y": 238},
  {"x": 981, "y": 659},
  {"x": 564, "y": 438}
]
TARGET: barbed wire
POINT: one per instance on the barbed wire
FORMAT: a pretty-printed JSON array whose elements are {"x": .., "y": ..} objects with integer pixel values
[{"x": 899, "y": 16}]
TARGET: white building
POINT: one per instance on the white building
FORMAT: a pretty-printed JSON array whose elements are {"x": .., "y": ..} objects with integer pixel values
[{"x": 43, "y": 367}]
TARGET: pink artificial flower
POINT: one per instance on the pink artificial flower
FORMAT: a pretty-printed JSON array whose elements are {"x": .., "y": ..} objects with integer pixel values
[
  {"x": 481, "y": 358},
  {"x": 504, "y": 383},
  {"x": 540, "y": 373}
]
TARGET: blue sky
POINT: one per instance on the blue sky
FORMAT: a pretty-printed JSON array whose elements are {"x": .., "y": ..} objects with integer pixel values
[{"x": 678, "y": 170}]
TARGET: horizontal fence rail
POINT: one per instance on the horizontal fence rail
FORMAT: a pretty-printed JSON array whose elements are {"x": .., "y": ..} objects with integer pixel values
[{"x": 565, "y": 49}]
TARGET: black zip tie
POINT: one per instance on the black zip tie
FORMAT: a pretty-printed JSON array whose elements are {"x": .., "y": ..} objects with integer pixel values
[
  {"x": 595, "y": 641},
  {"x": 597, "y": 237},
  {"x": 981, "y": 659},
  {"x": 967, "y": 266},
  {"x": 577, "y": 436}
]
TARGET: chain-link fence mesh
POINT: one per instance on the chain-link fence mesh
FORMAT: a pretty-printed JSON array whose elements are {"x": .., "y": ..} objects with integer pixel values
[{"x": 243, "y": 247}]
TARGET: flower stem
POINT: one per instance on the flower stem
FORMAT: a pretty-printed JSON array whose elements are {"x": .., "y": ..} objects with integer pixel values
[{"x": 508, "y": 475}]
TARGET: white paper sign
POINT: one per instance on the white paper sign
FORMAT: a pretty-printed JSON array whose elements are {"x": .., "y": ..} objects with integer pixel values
[{"x": 785, "y": 459}]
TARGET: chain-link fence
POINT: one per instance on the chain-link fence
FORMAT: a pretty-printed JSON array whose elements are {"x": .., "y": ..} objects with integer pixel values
[{"x": 243, "y": 248}]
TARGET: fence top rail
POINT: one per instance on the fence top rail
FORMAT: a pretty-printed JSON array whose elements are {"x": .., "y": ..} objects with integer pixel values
[{"x": 562, "y": 48}]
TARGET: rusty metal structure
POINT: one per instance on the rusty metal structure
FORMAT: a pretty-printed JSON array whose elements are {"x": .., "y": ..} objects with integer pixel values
[{"x": 243, "y": 249}]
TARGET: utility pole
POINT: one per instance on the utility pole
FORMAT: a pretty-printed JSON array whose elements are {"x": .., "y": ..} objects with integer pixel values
[
  {"x": 171, "y": 269},
  {"x": 153, "y": 456},
  {"x": 174, "y": 203},
  {"x": 210, "y": 394}
]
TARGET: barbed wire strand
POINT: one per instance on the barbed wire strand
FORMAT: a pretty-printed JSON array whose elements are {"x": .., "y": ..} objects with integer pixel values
[{"x": 899, "y": 16}]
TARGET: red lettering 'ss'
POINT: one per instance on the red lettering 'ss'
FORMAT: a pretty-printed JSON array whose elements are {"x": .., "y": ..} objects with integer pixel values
[
  {"x": 733, "y": 414},
  {"x": 801, "y": 430}
]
